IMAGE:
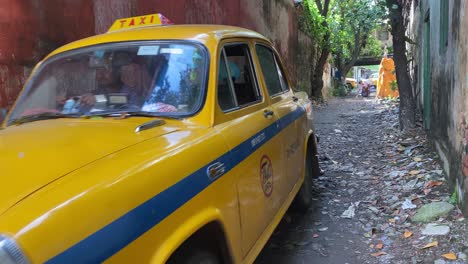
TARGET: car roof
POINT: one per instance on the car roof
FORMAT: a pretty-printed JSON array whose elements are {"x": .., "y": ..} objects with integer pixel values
[{"x": 200, "y": 33}]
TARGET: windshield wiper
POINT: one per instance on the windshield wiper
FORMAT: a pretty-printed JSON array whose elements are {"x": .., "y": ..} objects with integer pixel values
[
  {"x": 41, "y": 116},
  {"x": 125, "y": 114}
]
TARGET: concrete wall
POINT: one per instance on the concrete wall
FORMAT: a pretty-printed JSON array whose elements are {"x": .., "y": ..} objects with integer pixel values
[
  {"x": 29, "y": 29},
  {"x": 448, "y": 89}
]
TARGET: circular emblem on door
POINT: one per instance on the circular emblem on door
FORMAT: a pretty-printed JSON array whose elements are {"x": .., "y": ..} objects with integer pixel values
[{"x": 266, "y": 175}]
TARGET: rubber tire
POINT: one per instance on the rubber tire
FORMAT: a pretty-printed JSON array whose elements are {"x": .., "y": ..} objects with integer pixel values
[
  {"x": 195, "y": 256},
  {"x": 303, "y": 199},
  {"x": 314, "y": 161}
]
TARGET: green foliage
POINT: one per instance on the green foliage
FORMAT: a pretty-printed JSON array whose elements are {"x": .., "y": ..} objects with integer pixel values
[
  {"x": 346, "y": 28},
  {"x": 350, "y": 24},
  {"x": 312, "y": 22},
  {"x": 339, "y": 89},
  {"x": 454, "y": 198},
  {"x": 353, "y": 24},
  {"x": 373, "y": 47},
  {"x": 393, "y": 85}
]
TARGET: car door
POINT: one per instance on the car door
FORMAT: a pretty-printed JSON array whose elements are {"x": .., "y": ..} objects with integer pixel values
[
  {"x": 289, "y": 113},
  {"x": 249, "y": 125}
]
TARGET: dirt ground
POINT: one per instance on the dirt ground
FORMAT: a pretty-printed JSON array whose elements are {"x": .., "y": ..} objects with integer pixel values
[{"x": 375, "y": 181}]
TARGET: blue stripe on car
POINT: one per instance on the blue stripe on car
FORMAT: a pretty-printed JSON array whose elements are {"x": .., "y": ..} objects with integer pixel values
[{"x": 115, "y": 236}]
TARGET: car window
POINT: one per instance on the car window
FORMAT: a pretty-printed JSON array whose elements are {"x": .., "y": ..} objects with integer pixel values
[
  {"x": 226, "y": 94},
  {"x": 157, "y": 77},
  {"x": 237, "y": 85},
  {"x": 274, "y": 76}
]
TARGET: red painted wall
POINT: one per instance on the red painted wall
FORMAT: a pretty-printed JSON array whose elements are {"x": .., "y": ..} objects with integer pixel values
[{"x": 29, "y": 29}]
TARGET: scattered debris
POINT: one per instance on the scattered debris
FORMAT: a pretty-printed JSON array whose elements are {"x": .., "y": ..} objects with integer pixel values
[
  {"x": 407, "y": 204},
  {"x": 350, "y": 212},
  {"x": 377, "y": 182},
  {"x": 436, "y": 230}
]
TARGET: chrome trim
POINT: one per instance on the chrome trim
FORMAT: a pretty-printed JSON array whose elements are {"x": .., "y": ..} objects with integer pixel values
[
  {"x": 13, "y": 250},
  {"x": 149, "y": 125},
  {"x": 215, "y": 170}
]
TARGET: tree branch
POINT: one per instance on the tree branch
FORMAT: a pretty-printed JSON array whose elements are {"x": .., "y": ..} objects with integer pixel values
[
  {"x": 326, "y": 7},
  {"x": 319, "y": 6}
]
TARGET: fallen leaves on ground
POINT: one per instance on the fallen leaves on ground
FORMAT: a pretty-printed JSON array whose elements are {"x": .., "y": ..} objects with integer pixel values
[
  {"x": 433, "y": 184},
  {"x": 379, "y": 246},
  {"x": 378, "y": 254},
  {"x": 432, "y": 244},
  {"x": 450, "y": 256},
  {"x": 407, "y": 234}
]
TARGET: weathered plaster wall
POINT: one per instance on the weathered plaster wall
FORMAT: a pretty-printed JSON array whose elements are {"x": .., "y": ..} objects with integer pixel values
[
  {"x": 414, "y": 32},
  {"x": 449, "y": 86},
  {"x": 29, "y": 29},
  {"x": 462, "y": 97}
]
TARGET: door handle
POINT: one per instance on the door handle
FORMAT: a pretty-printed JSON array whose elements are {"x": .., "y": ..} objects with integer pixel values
[{"x": 268, "y": 113}]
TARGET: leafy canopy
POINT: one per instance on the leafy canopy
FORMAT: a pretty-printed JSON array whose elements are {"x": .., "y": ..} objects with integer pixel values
[{"x": 350, "y": 24}]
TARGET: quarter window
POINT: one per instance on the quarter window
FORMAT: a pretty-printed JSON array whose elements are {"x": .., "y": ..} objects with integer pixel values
[
  {"x": 236, "y": 82},
  {"x": 274, "y": 77}
]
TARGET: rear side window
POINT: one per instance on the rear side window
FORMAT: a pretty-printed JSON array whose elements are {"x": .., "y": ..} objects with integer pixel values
[
  {"x": 237, "y": 85},
  {"x": 274, "y": 77}
]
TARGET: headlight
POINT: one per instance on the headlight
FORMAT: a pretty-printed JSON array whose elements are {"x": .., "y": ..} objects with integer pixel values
[{"x": 10, "y": 253}]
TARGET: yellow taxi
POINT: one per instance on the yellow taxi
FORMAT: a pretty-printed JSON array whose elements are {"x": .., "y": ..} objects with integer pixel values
[
  {"x": 351, "y": 82},
  {"x": 151, "y": 144}
]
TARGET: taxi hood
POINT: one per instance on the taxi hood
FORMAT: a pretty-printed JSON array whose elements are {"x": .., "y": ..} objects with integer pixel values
[{"x": 34, "y": 154}]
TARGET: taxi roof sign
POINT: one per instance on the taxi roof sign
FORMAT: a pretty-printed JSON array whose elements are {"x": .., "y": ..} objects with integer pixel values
[{"x": 140, "y": 21}]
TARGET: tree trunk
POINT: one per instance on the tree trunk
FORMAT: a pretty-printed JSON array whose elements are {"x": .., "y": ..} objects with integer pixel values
[
  {"x": 407, "y": 115},
  {"x": 317, "y": 74}
]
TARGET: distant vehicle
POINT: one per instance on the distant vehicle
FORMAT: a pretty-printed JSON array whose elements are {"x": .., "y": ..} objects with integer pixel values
[
  {"x": 374, "y": 78},
  {"x": 351, "y": 83}
]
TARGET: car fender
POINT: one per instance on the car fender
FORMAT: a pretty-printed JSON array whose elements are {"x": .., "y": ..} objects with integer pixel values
[
  {"x": 310, "y": 136},
  {"x": 188, "y": 228}
]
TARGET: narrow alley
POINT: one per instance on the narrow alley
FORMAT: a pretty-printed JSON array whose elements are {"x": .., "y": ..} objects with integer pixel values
[{"x": 375, "y": 181}]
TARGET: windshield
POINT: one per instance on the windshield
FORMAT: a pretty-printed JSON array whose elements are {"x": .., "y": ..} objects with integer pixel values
[{"x": 162, "y": 78}]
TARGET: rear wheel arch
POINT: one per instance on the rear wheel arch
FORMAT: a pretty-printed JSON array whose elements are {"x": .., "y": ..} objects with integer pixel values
[
  {"x": 311, "y": 153},
  {"x": 311, "y": 144},
  {"x": 303, "y": 199},
  {"x": 211, "y": 238}
]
